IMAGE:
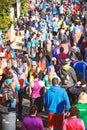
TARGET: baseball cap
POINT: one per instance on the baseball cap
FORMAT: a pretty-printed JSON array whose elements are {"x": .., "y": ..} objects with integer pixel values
[
  {"x": 53, "y": 59},
  {"x": 67, "y": 60},
  {"x": 34, "y": 63}
]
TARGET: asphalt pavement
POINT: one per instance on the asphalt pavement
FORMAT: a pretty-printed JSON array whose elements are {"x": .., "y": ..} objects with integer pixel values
[{"x": 26, "y": 105}]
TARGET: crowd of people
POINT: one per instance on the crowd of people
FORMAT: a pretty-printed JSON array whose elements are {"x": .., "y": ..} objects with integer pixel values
[{"x": 51, "y": 68}]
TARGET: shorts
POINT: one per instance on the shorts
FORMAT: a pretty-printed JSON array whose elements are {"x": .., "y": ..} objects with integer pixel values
[{"x": 55, "y": 120}]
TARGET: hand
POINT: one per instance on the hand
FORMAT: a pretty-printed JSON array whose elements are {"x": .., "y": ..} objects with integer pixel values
[
  {"x": 67, "y": 114},
  {"x": 78, "y": 84}
]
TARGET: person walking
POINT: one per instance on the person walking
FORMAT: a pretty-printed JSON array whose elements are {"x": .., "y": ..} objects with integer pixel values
[
  {"x": 73, "y": 122},
  {"x": 36, "y": 91},
  {"x": 32, "y": 122},
  {"x": 56, "y": 102}
]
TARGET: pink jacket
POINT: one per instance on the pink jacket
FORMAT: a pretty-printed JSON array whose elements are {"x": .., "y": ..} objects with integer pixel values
[{"x": 73, "y": 123}]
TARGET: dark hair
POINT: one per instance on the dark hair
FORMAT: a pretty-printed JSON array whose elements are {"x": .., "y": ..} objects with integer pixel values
[
  {"x": 35, "y": 75},
  {"x": 33, "y": 109},
  {"x": 55, "y": 81},
  {"x": 25, "y": 31},
  {"x": 80, "y": 57},
  {"x": 61, "y": 49},
  {"x": 9, "y": 75},
  {"x": 83, "y": 82},
  {"x": 8, "y": 44},
  {"x": 74, "y": 111}
]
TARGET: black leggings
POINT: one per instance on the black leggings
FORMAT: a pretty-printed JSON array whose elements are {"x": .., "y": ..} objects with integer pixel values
[{"x": 38, "y": 102}]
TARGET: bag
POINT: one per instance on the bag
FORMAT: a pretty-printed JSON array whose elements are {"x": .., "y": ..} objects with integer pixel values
[
  {"x": 63, "y": 75},
  {"x": 8, "y": 93}
]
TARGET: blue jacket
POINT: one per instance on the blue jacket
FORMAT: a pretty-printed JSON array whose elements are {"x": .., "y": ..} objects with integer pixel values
[
  {"x": 81, "y": 66},
  {"x": 56, "y": 100}
]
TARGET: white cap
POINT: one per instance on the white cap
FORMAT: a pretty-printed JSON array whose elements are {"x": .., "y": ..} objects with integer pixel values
[
  {"x": 53, "y": 59},
  {"x": 34, "y": 63},
  {"x": 67, "y": 60}
]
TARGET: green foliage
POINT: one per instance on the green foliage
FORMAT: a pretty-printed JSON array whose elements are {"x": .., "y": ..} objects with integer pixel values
[
  {"x": 24, "y": 9},
  {"x": 5, "y": 20}
]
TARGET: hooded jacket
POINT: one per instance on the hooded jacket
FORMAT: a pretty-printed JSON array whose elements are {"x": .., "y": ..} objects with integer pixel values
[
  {"x": 71, "y": 71},
  {"x": 56, "y": 100}
]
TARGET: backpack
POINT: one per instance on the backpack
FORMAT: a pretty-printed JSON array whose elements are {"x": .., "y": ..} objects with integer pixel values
[
  {"x": 63, "y": 75},
  {"x": 8, "y": 93}
]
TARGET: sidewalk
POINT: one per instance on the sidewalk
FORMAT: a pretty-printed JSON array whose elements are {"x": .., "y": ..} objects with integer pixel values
[{"x": 18, "y": 42}]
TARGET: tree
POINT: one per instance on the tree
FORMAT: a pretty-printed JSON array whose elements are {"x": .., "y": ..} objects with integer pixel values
[
  {"x": 24, "y": 8},
  {"x": 5, "y": 20}
]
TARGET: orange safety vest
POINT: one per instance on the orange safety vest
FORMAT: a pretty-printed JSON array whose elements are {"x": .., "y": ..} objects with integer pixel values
[
  {"x": 42, "y": 64},
  {"x": 8, "y": 55}
]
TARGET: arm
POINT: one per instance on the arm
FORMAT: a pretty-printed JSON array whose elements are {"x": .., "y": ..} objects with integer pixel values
[
  {"x": 67, "y": 102},
  {"x": 64, "y": 125},
  {"x": 45, "y": 100},
  {"x": 82, "y": 124},
  {"x": 73, "y": 75},
  {"x": 30, "y": 88}
]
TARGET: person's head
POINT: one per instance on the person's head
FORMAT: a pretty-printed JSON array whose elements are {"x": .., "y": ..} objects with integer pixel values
[
  {"x": 33, "y": 110},
  {"x": 67, "y": 61},
  {"x": 74, "y": 111},
  {"x": 41, "y": 54},
  {"x": 35, "y": 75},
  {"x": 54, "y": 61},
  {"x": 34, "y": 64},
  {"x": 25, "y": 31},
  {"x": 8, "y": 46},
  {"x": 55, "y": 80},
  {"x": 80, "y": 57},
  {"x": 61, "y": 49},
  {"x": 9, "y": 75},
  {"x": 82, "y": 99}
]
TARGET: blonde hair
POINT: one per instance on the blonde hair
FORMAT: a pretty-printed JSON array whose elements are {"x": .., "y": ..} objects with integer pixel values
[
  {"x": 50, "y": 76},
  {"x": 82, "y": 98}
]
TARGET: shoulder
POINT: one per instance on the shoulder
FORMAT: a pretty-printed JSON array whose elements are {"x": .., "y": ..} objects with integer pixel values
[
  {"x": 25, "y": 119},
  {"x": 31, "y": 84},
  {"x": 38, "y": 118},
  {"x": 41, "y": 83},
  {"x": 81, "y": 63},
  {"x": 63, "y": 90}
]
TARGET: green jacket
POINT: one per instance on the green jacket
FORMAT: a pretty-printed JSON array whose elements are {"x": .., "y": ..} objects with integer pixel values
[{"x": 83, "y": 112}]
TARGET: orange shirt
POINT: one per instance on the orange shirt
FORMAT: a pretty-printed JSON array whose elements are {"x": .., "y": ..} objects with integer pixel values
[
  {"x": 42, "y": 64},
  {"x": 8, "y": 55}
]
